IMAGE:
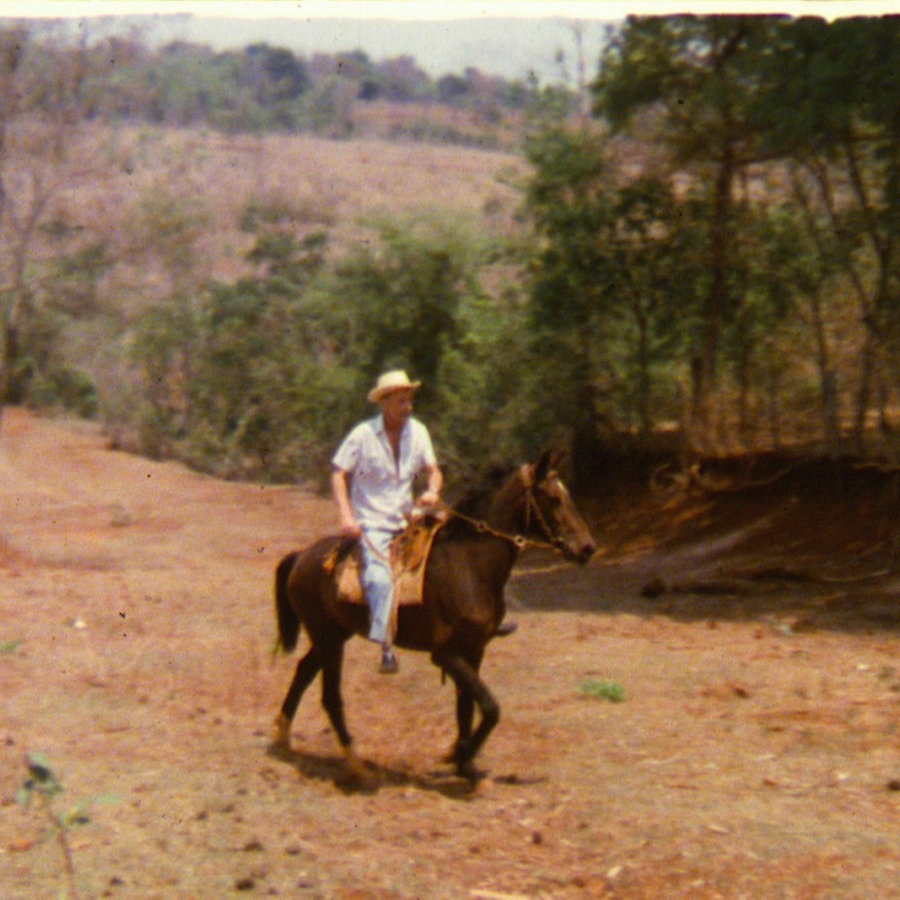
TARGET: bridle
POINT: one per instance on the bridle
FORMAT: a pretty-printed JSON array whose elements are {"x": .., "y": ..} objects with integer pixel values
[
  {"x": 532, "y": 507},
  {"x": 554, "y": 541}
]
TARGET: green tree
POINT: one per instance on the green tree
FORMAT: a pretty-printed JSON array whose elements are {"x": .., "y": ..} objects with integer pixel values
[
  {"x": 400, "y": 80},
  {"x": 829, "y": 104},
  {"x": 405, "y": 291},
  {"x": 276, "y": 80},
  {"x": 279, "y": 75},
  {"x": 161, "y": 349},
  {"x": 262, "y": 377},
  {"x": 572, "y": 278},
  {"x": 185, "y": 84},
  {"x": 696, "y": 77},
  {"x": 484, "y": 415},
  {"x": 796, "y": 271},
  {"x": 614, "y": 284},
  {"x": 657, "y": 271}
]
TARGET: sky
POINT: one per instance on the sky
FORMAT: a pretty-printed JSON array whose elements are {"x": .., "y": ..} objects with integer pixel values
[
  {"x": 511, "y": 38},
  {"x": 510, "y": 47}
]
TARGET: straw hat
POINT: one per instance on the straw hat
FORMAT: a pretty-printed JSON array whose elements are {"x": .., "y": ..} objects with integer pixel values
[{"x": 390, "y": 382}]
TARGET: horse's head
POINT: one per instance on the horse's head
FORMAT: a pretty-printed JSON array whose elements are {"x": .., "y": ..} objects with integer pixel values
[{"x": 551, "y": 514}]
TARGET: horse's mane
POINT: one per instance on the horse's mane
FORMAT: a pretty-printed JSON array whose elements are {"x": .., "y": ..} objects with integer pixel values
[{"x": 475, "y": 499}]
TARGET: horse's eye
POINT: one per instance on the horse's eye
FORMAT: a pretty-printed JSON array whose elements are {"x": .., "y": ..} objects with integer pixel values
[{"x": 554, "y": 501}]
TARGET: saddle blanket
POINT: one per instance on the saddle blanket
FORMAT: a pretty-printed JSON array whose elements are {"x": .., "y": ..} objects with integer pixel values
[{"x": 409, "y": 554}]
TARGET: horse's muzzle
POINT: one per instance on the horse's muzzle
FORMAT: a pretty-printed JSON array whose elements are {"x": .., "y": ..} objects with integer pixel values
[
  {"x": 583, "y": 556},
  {"x": 578, "y": 554}
]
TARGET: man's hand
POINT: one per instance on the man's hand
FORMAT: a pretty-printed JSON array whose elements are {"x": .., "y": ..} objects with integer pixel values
[
  {"x": 350, "y": 528},
  {"x": 429, "y": 498}
]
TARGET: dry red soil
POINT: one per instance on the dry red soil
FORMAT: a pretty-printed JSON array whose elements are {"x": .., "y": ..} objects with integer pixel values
[{"x": 756, "y": 752}]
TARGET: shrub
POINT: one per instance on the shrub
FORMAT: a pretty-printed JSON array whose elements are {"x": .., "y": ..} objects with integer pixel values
[
  {"x": 64, "y": 387},
  {"x": 604, "y": 690}
]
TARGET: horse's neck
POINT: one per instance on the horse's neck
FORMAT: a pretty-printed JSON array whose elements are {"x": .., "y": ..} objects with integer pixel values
[{"x": 506, "y": 510}]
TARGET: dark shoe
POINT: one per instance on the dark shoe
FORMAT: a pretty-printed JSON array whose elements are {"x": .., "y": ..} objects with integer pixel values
[
  {"x": 506, "y": 629},
  {"x": 389, "y": 663}
]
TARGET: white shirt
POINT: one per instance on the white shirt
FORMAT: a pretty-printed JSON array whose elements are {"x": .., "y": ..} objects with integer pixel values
[{"x": 381, "y": 491}]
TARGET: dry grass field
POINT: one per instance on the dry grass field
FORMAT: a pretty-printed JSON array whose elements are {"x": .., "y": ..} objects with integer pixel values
[{"x": 319, "y": 183}]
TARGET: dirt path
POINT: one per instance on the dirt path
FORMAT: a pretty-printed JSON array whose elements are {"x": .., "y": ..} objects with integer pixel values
[{"x": 751, "y": 756}]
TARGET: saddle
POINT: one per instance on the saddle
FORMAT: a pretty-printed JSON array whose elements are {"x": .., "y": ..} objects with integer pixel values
[{"x": 409, "y": 554}]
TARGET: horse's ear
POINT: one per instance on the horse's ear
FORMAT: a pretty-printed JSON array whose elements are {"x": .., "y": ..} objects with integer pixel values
[
  {"x": 550, "y": 460},
  {"x": 543, "y": 466}
]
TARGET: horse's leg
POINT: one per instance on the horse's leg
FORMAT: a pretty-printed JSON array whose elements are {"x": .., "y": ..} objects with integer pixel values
[
  {"x": 333, "y": 661},
  {"x": 465, "y": 714},
  {"x": 307, "y": 669},
  {"x": 470, "y": 690},
  {"x": 465, "y": 710}
]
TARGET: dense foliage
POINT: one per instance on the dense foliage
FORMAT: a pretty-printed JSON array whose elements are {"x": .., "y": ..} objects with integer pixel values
[{"x": 713, "y": 255}]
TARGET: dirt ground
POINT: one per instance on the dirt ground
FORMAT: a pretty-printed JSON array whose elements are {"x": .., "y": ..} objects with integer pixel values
[{"x": 756, "y": 752}]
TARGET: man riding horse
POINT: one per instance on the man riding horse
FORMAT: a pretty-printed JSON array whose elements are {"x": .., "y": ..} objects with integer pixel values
[
  {"x": 462, "y": 594},
  {"x": 372, "y": 481}
]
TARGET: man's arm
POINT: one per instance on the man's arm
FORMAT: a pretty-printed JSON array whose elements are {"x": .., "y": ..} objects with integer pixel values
[
  {"x": 432, "y": 493},
  {"x": 340, "y": 481}
]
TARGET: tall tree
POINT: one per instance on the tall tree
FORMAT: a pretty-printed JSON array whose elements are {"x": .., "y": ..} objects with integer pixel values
[
  {"x": 406, "y": 292},
  {"x": 651, "y": 240},
  {"x": 572, "y": 273},
  {"x": 829, "y": 103},
  {"x": 796, "y": 266},
  {"x": 43, "y": 152},
  {"x": 612, "y": 290},
  {"x": 695, "y": 77}
]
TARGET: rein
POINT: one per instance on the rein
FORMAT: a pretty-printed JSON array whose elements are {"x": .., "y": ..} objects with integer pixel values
[{"x": 519, "y": 540}]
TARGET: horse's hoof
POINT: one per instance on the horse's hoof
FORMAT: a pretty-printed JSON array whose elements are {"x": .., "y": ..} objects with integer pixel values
[
  {"x": 472, "y": 775},
  {"x": 281, "y": 738},
  {"x": 356, "y": 767},
  {"x": 469, "y": 771}
]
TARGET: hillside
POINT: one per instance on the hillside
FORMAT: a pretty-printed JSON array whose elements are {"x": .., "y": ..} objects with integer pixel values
[{"x": 315, "y": 183}]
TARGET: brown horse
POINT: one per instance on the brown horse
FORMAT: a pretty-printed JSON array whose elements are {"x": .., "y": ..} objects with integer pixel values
[{"x": 463, "y": 603}]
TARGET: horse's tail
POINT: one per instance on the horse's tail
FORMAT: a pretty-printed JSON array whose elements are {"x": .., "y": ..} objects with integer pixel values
[{"x": 288, "y": 621}]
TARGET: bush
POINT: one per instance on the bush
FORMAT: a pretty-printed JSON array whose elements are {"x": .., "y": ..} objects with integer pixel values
[{"x": 64, "y": 387}]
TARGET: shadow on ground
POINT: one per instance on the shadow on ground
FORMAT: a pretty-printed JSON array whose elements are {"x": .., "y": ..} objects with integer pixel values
[{"x": 333, "y": 769}]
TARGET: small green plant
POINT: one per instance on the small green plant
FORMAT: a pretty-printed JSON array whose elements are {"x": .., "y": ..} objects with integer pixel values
[
  {"x": 605, "y": 690},
  {"x": 10, "y": 647},
  {"x": 43, "y": 787}
]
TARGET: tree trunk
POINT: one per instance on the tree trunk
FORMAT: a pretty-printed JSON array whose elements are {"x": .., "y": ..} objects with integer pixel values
[
  {"x": 774, "y": 410},
  {"x": 831, "y": 428},
  {"x": 10, "y": 389},
  {"x": 864, "y": 393},
  {"x": 717, "y": 299},
  {"x": 643, "y": 386}
]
